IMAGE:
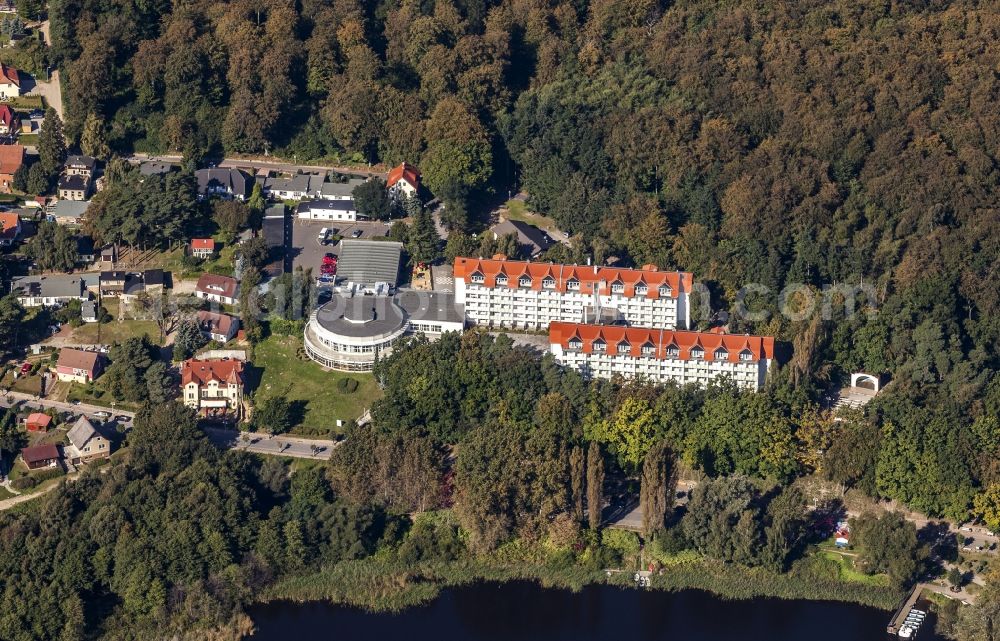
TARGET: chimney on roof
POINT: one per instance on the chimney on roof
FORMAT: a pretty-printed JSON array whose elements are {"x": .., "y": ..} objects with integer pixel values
[
  {"x": 499, "y": 256},
  {"x": 650, "y": 267}
]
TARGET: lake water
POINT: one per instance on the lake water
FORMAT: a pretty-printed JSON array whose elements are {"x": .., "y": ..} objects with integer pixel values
[{"x": 524, "y": 611}]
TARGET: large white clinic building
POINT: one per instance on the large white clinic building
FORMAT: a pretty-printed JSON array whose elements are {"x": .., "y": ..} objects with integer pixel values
[
  {"x": 523, "y": 295},
  {"x": 351, "y": 331},
  {"x": 661, "y": 355}
]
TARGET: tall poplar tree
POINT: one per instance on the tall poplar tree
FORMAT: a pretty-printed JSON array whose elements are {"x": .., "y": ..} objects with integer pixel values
[
  {"x": 657, "y": 487},
  {"x": 595, "y": 485}
]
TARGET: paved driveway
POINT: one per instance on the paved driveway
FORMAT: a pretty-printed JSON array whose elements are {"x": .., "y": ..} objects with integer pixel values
[{"x": 260, "y": 443}]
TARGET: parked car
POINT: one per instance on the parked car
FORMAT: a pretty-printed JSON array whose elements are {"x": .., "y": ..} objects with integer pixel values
[{"x": 356, "y": 233}]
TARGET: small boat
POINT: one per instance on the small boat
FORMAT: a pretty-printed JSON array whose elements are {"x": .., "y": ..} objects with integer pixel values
[{"x": 906, "y": 632}]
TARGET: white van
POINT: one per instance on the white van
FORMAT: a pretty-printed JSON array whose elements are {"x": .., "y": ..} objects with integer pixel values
[{"x": 323, "y": 233}]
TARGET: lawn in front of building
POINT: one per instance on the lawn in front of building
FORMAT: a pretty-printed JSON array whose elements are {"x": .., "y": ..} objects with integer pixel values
[
  {"x": 117, "y": 330},
  {"x": 322, "y": 397}
]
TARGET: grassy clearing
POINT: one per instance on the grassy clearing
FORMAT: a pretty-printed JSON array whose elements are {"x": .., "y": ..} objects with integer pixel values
[
  {"x": 320, "y": 397},
  {"x": 849, "y": 574},
  {"x": 518, "y": 210},
  {"x": 28, "y": 140},
  {"x": 173, "y": 261},
  {"x": 6, "y": 494},
  {"x": 117, "y": 330},
  {"x": 27, "y": 103}
]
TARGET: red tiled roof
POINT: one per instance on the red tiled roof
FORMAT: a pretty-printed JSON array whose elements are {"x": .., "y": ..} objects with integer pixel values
[
  {"x": 215, "y": 323},
  {"x": 203, "y": 372},
  {"x": 218, "y": 285},
  {"x": 39, "y": 419},
  {"x": 8, "y": 224},
  {"x": 40, "y": 453},
  {"x": 203, "y": 243},
  {"x": 409, "y": 172},
  {"x": 589, "y": 278},
  {"x": 8, "y": 75},
  {"x": 630, "y": 340},
  {"x": 11, "y": 157},
  {"x": 6, "y": 115}
]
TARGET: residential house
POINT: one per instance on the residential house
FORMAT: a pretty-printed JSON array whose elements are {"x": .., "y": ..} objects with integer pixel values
[
  {"x": 89, "y": 312},
  {"x": 155, "y": 280},
  {"x": 213, "y": 387},
  {"x": 85, "y": 250},
  {"x": 294, "y": 187},
  {"x": 326, "y": 210},
  {"x": 37, "y": 422},
  {"x": 86, "y": 443},
  {"x": 78, "y": 366},
  {"x": 10, "y": 82},
  {"x": 11, "y": 159},
  {"x": 41, "y": 456},
  {"x": 220, "y": 289},
  {"x": 109, "y": 255},
  {"x": 532, "y": 239},
  {"x": 225, "y": 183},
  {"x": 74, "y": 187},
  {"x": 403, "y": 181},
  {"x": 10, "y": 228},
  {"x": 202, "y": 247},
  {"x": 339, "y": 191},
  {"x": 217, "y": 327},
  {"x": 67, "y": 212},
  {"x": 80, "y": 165},
  {"x": 9, "y": 124},
  {"x": 52, "y": 290},
  {"x": 112, "y": 283}
]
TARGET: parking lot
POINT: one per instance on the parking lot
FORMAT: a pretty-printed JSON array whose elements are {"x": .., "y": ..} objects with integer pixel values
[{"x": 306, "y": 250}]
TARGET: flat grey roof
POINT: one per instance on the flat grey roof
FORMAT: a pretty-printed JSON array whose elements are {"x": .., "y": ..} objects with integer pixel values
[
  {"x": 424, "y": 305},
  {"x": 49, "y": 286},
  {"x": 69, "y": 208},
  {"x": 374, "y": 315},
  {"x": 369, "y": 261}
]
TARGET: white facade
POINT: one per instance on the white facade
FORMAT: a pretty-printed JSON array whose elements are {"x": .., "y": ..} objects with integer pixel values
[
  {"x": 662, "y": 356},
  {"x": 342, "y": 210},
  {"x": 520, "y": 295},
  {"x": 749, "y": 374},
  {"x": 523, "y": 308},
  {"x": 8, "y": 91}
]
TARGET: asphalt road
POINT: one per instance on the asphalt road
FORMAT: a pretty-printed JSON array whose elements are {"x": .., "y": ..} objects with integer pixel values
[
  {"x": 260, "y": 443},
  {"x": 35, "y": 403},
  {"x": 279, "y": 165}
]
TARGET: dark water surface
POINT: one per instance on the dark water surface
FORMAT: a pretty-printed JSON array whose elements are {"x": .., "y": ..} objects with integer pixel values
[{"x": 526, "y": 612}]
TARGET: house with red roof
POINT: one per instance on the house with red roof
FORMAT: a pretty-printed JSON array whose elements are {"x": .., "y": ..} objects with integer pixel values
[
  {"x": 9, "y": 122},
  {"x": 514, "y": 294},
  {"x": 11, "y": 159},
  {"x": 37, "y": 422},
  {"x": 78, "y": 366},
  {"x": 10, "y": 229},
  {"x": 662, "y": 355},
  {"x": 10, "y": 82},
  {"x": 403, "y": 181},
  {"x": 213, "y": 387},
  {"x": 202, "y": 247},
  {"x": 216, "y": 288}
]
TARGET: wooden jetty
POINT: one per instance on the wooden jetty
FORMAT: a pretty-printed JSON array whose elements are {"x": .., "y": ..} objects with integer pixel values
[{"x": 908, "y": 604}]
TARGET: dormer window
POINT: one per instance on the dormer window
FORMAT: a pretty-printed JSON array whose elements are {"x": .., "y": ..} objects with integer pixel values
[
  {"x": 665, "y": 291},
  {"x": 648, "y": 349},
  {"x": 575, "y": 343},
  {"x": 673, "y": 352},
  {"x": 746, "y": 355},
  {"x": 502, "y": 279},
  {"x": 641, "y": 289},
  {"x": 478, "y": 278},
  {"x": 524, "y": 281},
  {"x": 549, "y": 282},
  {"x": 573, "y": 285},
  {"x": 623, "y": 347},
  {"x": 600, "y": 345},
  {"x": 697, "y": 352},
  {"x": 721, "y": 354},
  {"x": 617, "y": 287}
]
